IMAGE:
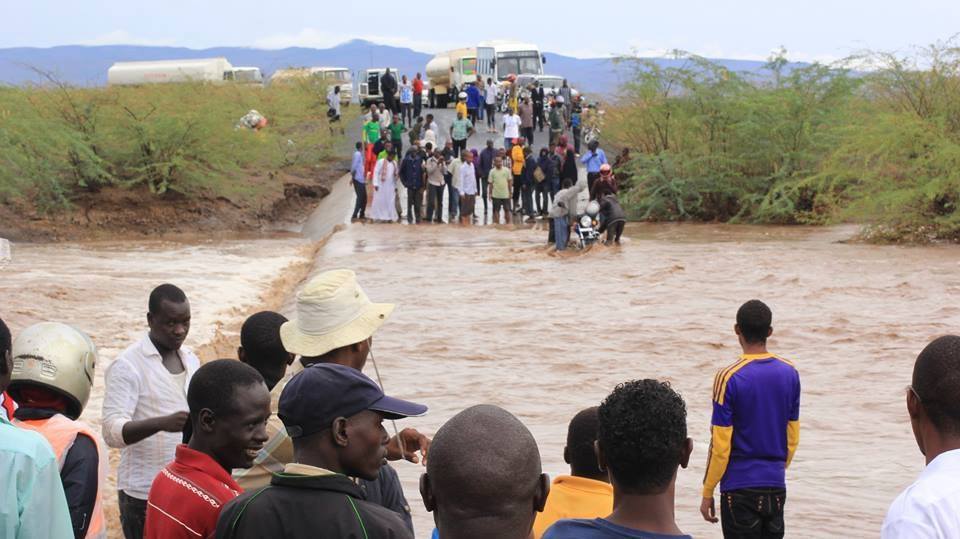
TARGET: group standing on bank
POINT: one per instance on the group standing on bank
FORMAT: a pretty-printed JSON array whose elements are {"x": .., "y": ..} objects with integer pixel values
[
  {"x": 287, "y": 439},
  {"x": 488, "y": 185}
]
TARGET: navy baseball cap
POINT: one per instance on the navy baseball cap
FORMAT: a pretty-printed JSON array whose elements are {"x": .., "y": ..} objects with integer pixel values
[{"x": 323, "y": 392}]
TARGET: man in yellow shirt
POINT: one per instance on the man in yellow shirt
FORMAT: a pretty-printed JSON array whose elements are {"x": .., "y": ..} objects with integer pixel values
[
  {"x": 586, "y": 492},
  {"x": 517, "y": 160}
]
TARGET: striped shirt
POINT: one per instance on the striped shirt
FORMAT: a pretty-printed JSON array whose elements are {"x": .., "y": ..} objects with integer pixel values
[
  {"x": 756, "y": 424},
  {"x": 186, "y": 497}
]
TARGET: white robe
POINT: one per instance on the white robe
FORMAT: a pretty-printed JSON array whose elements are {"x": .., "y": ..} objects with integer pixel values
[{"x": 384, "y": 198}]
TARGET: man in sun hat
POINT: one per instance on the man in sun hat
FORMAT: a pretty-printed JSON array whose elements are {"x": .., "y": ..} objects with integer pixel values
[
  {"x": 335, "y": 324},
  {"x": 334, "y": 414}
]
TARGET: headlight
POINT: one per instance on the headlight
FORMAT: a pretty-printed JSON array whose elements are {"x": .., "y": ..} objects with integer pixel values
[{"x": 586, "y": 221}]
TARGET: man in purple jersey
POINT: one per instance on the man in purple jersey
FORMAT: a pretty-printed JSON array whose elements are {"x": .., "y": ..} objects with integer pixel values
[{"x": 754, "y": 433}]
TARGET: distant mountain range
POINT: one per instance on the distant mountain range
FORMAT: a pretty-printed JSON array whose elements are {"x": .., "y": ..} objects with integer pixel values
[{"x": 87, "y": 65}]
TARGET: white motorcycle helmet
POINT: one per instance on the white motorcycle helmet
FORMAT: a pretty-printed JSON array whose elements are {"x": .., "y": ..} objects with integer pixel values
[
  {"x": 58, "y": 357},
  {"x": 593, "y": 208}
]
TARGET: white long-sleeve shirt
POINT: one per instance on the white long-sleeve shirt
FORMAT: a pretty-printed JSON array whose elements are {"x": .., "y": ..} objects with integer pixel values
[
  {"x": 139, "y": 387},
  {"x": 468, "y": 179}
]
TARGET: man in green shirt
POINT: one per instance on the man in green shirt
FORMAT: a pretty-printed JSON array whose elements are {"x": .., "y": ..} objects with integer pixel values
[
  {"x": 501, "y": 185},
  {"x": 460, "y": 130},
  {"x": 371, "y": 130},
  {"x": 396, "y": 134}
]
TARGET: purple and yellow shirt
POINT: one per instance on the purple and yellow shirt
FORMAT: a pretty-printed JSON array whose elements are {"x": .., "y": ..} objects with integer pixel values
[{"x": 756, "y": 424}]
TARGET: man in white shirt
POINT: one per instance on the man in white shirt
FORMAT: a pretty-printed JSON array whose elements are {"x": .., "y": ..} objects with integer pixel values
[
  {"x": 511, "y": 128},
  {"x": 145, "y": 402},
  {"x": 930, "y": 507},
  {"x": 468, "y": 188},
  {"x": 490, "y": 100}
]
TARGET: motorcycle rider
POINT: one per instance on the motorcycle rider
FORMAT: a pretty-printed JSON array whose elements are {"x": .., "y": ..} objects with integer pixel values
[{"x": 52, "y": 378}]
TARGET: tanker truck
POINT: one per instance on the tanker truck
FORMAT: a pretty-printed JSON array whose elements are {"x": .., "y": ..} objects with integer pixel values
[
  {"x": 210, "y": 70},
  {"x": 448, "y": 72}
]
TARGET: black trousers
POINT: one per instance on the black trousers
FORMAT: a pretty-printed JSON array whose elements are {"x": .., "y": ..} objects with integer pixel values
[
  {"x": 435, "y": 198},
  {"x": 389, "y": 103},
  {"x": 538, "y": 118},
  {"x": 473, "y": 115},
  {"x": 459, "y": 146},
  {"x": 527, "y": 133},
  {"x": 413, "y": 205},
  {"x": 541, "y": 197},
  {"x": 133, "y": 515},
  {"x": 360, "y": 208},
  {"x": 417, "y": 104},
  {"x": 614, "y": 231},
  {"x": 492, "y": 116},
  {"x": 517, "y": 180},
  {"x": 753, "y": 513}
]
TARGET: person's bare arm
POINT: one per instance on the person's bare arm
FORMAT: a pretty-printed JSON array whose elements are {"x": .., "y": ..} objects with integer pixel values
[{"x": 135, "y": 431}]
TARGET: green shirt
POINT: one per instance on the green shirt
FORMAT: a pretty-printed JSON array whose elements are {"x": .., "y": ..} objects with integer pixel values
[
  {"x": 500, "y": 179},
  {"x": 461, "y": 128},
  {"x": 371, "y": 131},
  {"x": 396, "y": 131}
]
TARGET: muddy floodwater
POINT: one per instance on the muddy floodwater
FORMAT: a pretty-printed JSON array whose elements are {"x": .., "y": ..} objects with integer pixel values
[{"x": 486, "y": 315}]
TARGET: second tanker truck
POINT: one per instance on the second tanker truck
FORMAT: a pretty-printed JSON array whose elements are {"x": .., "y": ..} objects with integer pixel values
[{"x": 447, "y": 73}]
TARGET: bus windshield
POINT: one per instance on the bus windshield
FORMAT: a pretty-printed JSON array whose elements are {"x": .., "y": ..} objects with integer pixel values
[{"x": 517, "y": 63}]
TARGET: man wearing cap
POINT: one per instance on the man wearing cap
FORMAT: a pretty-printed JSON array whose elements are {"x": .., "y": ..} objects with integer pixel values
[
  {"x": 334, "y": 414},
  {"x": 335, "y": 324}
]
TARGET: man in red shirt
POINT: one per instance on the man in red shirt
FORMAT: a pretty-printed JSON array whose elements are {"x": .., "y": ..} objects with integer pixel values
[
  {"x": 229, "y": 408},
  {"x": 417, "y": 95}
]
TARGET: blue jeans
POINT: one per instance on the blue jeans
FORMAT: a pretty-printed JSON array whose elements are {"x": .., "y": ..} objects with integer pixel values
[{"x": 561, "y": 232}]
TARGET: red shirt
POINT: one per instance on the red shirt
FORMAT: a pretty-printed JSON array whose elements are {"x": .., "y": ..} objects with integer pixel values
[
  {"x": 187, "y": 495},
  {"x": 417, "y": 86}
]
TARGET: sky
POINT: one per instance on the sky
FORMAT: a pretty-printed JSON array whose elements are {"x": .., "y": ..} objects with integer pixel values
[{"x": 737, "y": 29}]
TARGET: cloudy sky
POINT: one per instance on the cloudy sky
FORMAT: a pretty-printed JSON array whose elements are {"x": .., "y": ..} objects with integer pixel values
[{"x": 743, "y": 29}]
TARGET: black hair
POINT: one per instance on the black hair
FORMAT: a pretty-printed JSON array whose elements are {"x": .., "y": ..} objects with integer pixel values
[
  {"x": 6, "y": 344},
  {"x": 163, "y": 292},
  {"x": 485, "y": 442},
  {"x": 936, "y": 381},
  {"x": 359, "y": 146},
  {"x": 260, "y": 336},
  {"x": 581, "y": 436},
  {"x": 754, "y": 319},
  {"x": 214, "y": 384},
  {"x": 566, "y": 183},
  {"x": 428, "y": 146},
  {"x": 642, "y": 433}
]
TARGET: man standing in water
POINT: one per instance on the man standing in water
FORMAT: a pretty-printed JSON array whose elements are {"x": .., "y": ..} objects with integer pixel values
[
  {"x": 755, "y": 432},
  {"x": 930, "y": 507},
  {"x": 146, "y": 398}
]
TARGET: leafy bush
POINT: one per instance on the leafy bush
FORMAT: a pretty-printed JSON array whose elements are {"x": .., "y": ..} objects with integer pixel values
[
  {"x": 60, "y": 140},
  {"x": 813, "y": 144}
]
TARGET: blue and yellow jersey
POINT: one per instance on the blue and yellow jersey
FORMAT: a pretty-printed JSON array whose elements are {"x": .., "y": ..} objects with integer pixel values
[{"x": 756, "y": 424}]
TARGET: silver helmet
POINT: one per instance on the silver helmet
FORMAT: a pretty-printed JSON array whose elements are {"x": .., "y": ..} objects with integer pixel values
[{"x": 58, "y": 357}]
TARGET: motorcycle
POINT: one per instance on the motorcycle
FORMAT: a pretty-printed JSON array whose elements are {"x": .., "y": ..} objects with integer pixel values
[{"x": 586, "y": 226}]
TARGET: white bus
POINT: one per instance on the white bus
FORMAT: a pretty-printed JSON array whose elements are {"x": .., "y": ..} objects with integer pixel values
[{"x": 498, "y": 59}]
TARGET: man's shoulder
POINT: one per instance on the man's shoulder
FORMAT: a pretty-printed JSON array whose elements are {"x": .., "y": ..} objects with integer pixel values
[
  {"x": 574, "y": 528},
  {"x": 377, "y": 517},
  {"x": 25, "y": 445},
  {"x": 932, "y": 500}
]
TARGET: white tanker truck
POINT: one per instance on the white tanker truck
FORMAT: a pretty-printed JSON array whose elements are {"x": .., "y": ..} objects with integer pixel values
[
  {"x": 209, "y": 70},
  {"x": 447, "y": 73}
]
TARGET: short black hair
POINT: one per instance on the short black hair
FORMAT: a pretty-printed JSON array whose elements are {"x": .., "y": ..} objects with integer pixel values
[
  {"x": 484, "y": 460},
  {"x": 168, "y": 292},
  {"x": 642, "y": 433},
  {"x": 581, "y": 436},
  {"x": 359, "y": 145},
  {"x": 6, "y": 344},
  {"x": 566, "y": 183},
  {"x": 936, "y": 381},
  {"x": 214, "y": 384},
  {"x": 260, "y": 335},
  {"x": 754, "y": 319}
]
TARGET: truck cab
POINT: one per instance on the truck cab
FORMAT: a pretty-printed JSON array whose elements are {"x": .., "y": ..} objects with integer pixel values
[{"x": 370, "y": 92}]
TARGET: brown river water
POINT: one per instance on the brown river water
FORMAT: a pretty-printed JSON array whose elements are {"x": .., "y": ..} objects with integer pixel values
[{"x": 487, "y": 315}]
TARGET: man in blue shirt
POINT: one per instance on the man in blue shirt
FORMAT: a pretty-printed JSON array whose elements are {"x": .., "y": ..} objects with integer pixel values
[
  {"x": 474, "y": 99},
  {"x": 359, "y": 183},
  {"x": 641, "y": 440},
  {"x": 31, "y": 493},
  {"x": 593, "y": 160}
]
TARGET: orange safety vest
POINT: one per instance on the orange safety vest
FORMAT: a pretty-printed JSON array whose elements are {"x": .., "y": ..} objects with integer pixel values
[{"x": 61, "y": 432}]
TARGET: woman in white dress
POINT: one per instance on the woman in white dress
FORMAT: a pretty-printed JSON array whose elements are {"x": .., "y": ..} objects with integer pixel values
[{"x": 385, "y": 189}]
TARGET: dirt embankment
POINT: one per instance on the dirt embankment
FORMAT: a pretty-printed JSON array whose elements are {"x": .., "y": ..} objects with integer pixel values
[{"x": 253, "y": 203}]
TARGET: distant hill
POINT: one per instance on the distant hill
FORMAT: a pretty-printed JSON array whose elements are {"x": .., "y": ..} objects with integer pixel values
[{"x": 87, "y": 66}]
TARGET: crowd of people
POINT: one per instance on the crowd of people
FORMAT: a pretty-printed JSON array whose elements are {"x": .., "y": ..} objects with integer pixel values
[
  {"x": 288, "y": 439},
  {"x": 512, "y": 182}
]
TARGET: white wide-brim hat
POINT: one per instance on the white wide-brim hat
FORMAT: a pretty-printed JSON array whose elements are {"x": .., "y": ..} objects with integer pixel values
[{"x": 332, "y": 312}]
